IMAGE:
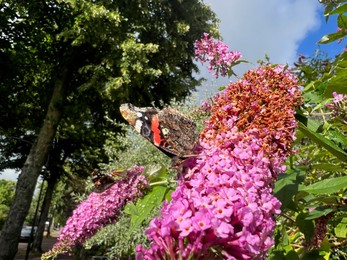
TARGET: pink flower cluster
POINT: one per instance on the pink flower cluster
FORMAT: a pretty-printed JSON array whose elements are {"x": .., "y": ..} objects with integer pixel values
[
  {"x": 100, "y": 209},
  {"x": 223, "y": 206},
  {"x": 217, "y": 53},
  {"x": 339, "y": 107}
]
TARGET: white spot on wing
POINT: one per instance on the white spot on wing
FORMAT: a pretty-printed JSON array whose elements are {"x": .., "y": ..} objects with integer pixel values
[
  {"x": 138, "y": 126},
  {"x": 165, "y": 131},
  {"x": 138, "y": 114}
]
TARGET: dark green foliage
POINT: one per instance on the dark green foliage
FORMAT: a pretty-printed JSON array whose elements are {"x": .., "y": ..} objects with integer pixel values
[
  {"x": 7, "y": 189},
  {"x": 115, "y": 52},
  {"x": 74, "y": 63}
]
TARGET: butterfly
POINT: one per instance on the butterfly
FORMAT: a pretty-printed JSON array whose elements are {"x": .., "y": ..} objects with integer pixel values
[
  {"x": 167, "y": 129},
  {"x": 103, "y": 181}
]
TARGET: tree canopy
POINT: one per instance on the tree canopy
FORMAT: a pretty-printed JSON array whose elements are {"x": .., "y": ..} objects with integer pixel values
[{"x": 113, "y": 52}]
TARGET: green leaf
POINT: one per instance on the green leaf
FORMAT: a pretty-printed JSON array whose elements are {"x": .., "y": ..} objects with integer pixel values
[
  {"x": 329, "y": 7},
  {"x": 292, "y": 255},
  {"x": 341, "y": 228},
  {"x": 336, "y": 82},
  {"x": 313, "y": 125},
  {"x": 305, "y": 226},
  {"x": 303, "y": 195},
  {"x": 327, "y": 167},
  {"x": 319, "y": 212},
  {"x": 338, "y": 138},
  {"x": 312, "y": 255},
  {"x": 131, "y": 209},
  {"x": 325, "y": 247},
  {"x": 323, "y": 199},
  {"x": 324, "y": 142},
  {"x": 327, "y": 186},
  {"x": 156, "y": 173},
  {"x": 339, "y": 10},
  {"x": 328, "y": 38},
  {"x": 309, "y": 86},
  {"x": 342, "y": 21},
  {"x": 285, "y": 240},
  {"x": 168, "y": 195},
  {"x": 286, "y": 187},
  {"x": 144, "y": 206}
]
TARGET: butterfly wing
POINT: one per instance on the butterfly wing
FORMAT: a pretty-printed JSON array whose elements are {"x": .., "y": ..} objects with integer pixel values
[
  {"x": 178, "y": 131},
  {"x": 103, "y": 181}
]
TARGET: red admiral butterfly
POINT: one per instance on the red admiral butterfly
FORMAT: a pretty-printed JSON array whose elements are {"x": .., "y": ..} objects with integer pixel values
[
  {"x": 103, "y": 181},
  {"x": 169, "y": 130}
]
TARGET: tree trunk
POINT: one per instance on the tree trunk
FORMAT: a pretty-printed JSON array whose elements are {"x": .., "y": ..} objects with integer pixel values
[
  {"x": 51, "y": 224},
  {"x": 46, "y": 204},
  {"x": 31, "y": 170}
]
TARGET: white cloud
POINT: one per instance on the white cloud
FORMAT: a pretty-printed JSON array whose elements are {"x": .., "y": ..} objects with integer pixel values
[{"x": 274, "y": 27}]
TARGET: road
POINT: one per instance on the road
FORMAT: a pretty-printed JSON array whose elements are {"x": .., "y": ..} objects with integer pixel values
[{"x": 47, "y": 244}]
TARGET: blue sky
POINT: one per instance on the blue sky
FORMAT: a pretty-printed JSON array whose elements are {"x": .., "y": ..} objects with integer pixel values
[
  {"x": 271, "y": 27},
  {"x": 308, "y": 44},
  {"x": 282, "y": 29}
]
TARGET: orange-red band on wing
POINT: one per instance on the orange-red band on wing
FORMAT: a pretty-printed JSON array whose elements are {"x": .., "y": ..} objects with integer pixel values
[{"x": 156, "y": 131}]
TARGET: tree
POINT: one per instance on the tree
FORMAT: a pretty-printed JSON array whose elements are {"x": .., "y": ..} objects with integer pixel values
[
  {"x": 68, "y": 64},
  {"x": 46, "y": 203}
]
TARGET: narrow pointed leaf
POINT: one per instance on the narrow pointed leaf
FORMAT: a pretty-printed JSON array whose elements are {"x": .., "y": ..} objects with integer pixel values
[
  {"x": 339, "y": 10},
  {"x": 331, "y": 37},
  {"x": 317, "y": 213},
  {"x": 327, "y": 167},
  {"x": 144, "y": 206},
  {"x": 324, "y": 142},
  {"x": 327, "y": 186}
]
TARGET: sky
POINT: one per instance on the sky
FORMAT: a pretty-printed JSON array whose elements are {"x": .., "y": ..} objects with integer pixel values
[{"x": 282, "y": 29}]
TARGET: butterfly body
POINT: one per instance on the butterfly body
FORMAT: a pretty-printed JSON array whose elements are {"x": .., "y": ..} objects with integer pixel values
[{"x": 167, "y": 129}]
